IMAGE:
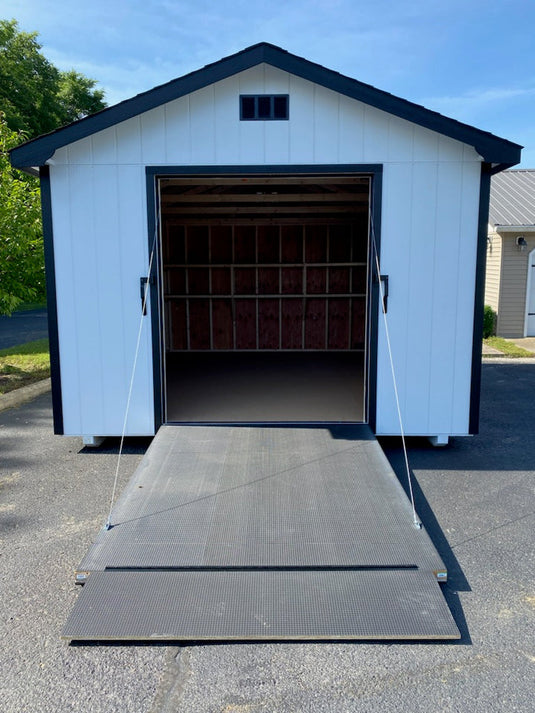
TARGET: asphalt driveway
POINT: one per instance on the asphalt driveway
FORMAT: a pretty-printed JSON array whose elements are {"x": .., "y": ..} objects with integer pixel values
[
  {"x": 22, "y": 327},
  {"x": 476, "y": 499}
]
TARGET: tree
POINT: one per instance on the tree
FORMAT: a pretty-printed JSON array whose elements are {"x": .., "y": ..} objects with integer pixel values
[
  {"x": 22, "y": 274},
  {"x": 34, "y": 95},
  {"x": 35, "y": 98},
  {"x": 77, "y": 97}
]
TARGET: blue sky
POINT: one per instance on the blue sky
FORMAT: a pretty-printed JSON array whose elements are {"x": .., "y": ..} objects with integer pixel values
[{"x": 473, "y": 60}]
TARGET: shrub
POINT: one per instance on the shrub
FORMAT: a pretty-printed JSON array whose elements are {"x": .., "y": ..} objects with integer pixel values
[{"x": 489, "y": 322}]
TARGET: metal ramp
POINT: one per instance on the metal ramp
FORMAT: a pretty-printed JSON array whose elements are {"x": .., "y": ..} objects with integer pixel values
[{"x": 262, "y": 533}]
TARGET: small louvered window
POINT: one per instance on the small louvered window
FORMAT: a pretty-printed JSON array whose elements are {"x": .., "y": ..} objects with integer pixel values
[{"x": 264, "y": 107}]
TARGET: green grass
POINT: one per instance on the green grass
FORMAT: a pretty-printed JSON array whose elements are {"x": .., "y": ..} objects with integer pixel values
[
  {"x": 23, "y": 365},
  {"x": 507, "y": 348}
]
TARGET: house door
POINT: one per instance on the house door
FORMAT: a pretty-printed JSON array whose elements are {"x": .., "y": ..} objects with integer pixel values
[{"x": 530, "y": 301}]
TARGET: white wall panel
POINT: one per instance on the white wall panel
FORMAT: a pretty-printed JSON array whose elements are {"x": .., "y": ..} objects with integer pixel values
[
  {"x": 431, "y": 325},
  {"x": 276, "y": 81},
  {"x": 108, "y": 290},
  {"x": 104, "y": 147},
  {"x": 178, "y": 132},
  {"x": 400, "y": 140},
  {"x": 300, "y": 125},
  {"x": 86, "y": 301},
  {"x": 325, "y": 120},
  {"x": 351, "y": 130},
  {"x": 226, "y": 122},
  {"x": 445, "y": 276},
  {"x": 449, "y": 149},
  {"x": 135, "y": 258},
  {"x": 376, "y": 139},
  {"x": 394, "y": 256},
  {"x": 425, "y": 145},
  {"x": 428, "y": 242},
  {"x": 79, "y": 152},
  {"x": 153, "y": 136},
  {"x": 251, "y": 133},
  {"x": 100, "y": 252},
  {"x": 252, "y": 81},
  {"x": 203, "y": 126},
  {"x": 420, "y": 236},
  {"x": 129, "y": 141}
]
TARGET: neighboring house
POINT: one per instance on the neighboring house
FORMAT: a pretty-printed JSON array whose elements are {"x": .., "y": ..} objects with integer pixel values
[{"x": 510, "y": 278}]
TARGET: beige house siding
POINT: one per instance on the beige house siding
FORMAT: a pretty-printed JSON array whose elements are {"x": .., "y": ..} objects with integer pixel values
[
  {"x": 493, "y": 273},
  {"x": 512, "y": 293}
]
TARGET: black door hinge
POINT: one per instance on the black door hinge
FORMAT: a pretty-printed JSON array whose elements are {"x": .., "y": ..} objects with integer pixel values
[{"x": 142, "y": 287}]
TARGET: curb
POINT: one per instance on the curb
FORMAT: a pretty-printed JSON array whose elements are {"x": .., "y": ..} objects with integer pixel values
[
  {"x": 491, "y": 359},
  {"x": 25, "y": 393}
]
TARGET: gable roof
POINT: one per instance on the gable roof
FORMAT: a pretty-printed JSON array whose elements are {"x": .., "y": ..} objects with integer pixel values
[
  {"x": 512, "y": 198},
  {"x": 493, "y": 149}
]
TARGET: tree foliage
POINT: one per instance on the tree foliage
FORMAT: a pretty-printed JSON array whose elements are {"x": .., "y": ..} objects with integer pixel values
[
  {"x": 22, "y": 275},
  {"x": 34, "y": 95},
  {"x": 35, "y": 98}
]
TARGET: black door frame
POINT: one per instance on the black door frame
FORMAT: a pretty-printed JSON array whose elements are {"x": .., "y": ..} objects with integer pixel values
[{"x": 154, "y": 173}]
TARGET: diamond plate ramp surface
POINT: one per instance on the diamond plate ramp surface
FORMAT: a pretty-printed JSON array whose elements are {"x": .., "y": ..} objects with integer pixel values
[
  {"x": 237, "y": 605},
  {"x": 262, "y": 533},
  {"x": 271, "y": 497}
]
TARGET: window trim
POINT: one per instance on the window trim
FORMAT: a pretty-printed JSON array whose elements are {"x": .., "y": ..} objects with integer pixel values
[{"x": 272, "y": 98}]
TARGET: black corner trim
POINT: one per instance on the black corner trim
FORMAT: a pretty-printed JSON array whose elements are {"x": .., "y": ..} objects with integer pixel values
[
  {"x": 53, "y": 332},
  {"x": 475, "y": 388},
  {"x": 492, "y": 148}
]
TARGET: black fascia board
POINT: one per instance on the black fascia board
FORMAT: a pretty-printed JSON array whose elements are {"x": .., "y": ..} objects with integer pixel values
[{"x": 493, "y": 149}]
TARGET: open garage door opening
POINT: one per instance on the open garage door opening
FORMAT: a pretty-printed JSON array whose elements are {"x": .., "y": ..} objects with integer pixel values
[{"x": 265, "y": 285}]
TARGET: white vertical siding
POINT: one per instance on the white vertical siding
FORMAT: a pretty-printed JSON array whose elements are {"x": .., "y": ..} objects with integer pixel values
[
  {"x": 100, "y": 253},
  {"x": 428, "y": 241},
  {"x": 430, "y": 255}
]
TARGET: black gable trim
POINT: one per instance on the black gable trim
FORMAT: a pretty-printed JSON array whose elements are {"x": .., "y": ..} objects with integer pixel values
[{"x": 493, "y": 149}]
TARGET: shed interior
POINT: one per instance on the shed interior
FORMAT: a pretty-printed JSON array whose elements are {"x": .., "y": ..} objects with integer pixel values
[{"x": 265, "y": 297}]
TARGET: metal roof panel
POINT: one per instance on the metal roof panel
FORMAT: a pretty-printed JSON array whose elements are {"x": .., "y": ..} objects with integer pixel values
[{"x": 512, "y": 198}]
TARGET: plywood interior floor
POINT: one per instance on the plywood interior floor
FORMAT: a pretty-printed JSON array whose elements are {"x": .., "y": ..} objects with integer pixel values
[{"x": 265, "y": 387}]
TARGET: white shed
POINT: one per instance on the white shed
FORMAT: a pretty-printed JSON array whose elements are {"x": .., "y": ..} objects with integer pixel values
[{"x": 255, "y": 194}]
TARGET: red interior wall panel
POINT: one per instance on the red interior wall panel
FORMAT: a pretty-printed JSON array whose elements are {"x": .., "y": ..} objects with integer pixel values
[
  {"x": 221, "y": 244},
  {"x": 245, "y": 324},
  {"x": 292, "y": 323},
  {"x": 222, "y": 332},
  {"x": 316, "y": 310},
  {"x": 338, "y": 336},
  {"x": 291, "y": 243},
  {"x": 316, "y": 280},
  {"x": 221, "y": 282},
  {"x": 199, "y": 324},
  {"x": 244, "y": 281},
  {"x": 268, "y": 324},
  {"x": 268, "y": 244},
  {"x": 177, "y": 316},
  {"x": 291, "y": 280},
  {"x": 358, "y": 322},
  {"x": 268, "y": 280}
]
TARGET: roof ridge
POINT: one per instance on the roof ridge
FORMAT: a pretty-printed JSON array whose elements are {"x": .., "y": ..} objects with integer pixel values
[{"x": 493, "y": 149}]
